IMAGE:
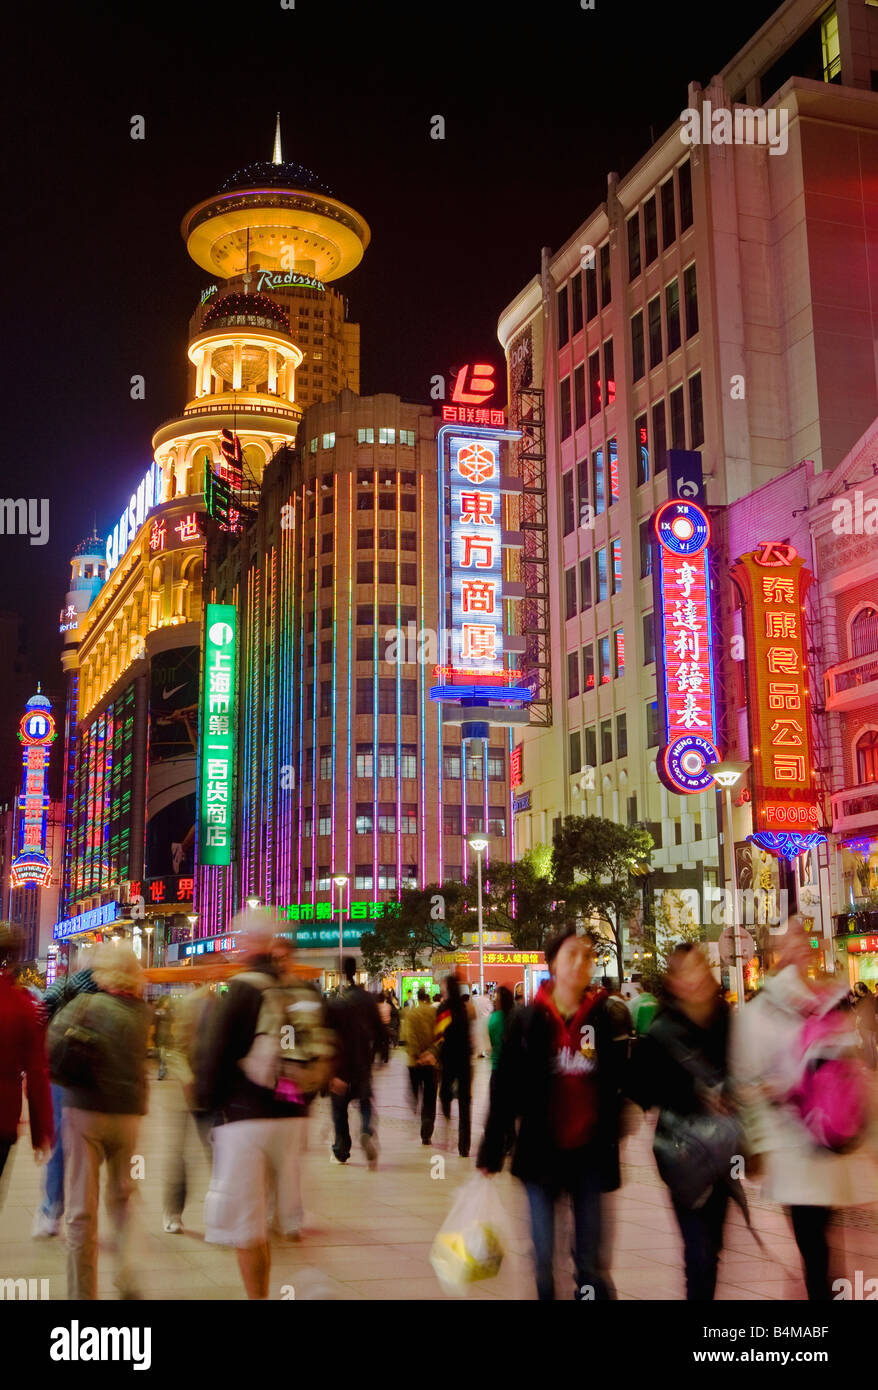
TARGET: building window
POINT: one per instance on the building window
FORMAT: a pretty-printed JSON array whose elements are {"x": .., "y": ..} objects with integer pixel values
[
  {"x": 366, "y": 436},
  {"x": 830, "y": 46},
  {"x": 650, "y": 231},
  {"x": 579, "y": 415},
  {"x": 326, "y": 573},
  {"x": 451, "y": 766},
  {"x": 591, "y": 747},
  {"x": 616, "y": 563},
  {"x": 584, "y": 585},
  {"x": 312, "y": 447},
  {"x": 326, "y": 540},
  {"x": 568, "y": 507},
  {"x": 572, "y": 674},
  {"x": 645, "y": 549},
  {"x": 594, "y": 384},
  {"x": 641, "y": 449},
  {"x": 600, "y": 575},
  {"x": 408, "y": 760},
  {"x": 659, "y": 438},
  {"x": 606, "y": 287},
  {"x": 632, "y": 808},
  {"x": 325, "y": 772},
  {"x": 328, "y": 441},
  {"x": 604, "y": 659},
  {"x": 387, "y": 818},
  {"x": 364, "y": 760},
  {"x": 672, "y": 314},
  {"x": 867, "y": 757},
  {"x": 364, "y": 818},
  {"x": 612, "y": 456},
  {"x": 566, "y": 422},
  {"x": 386, "y": 435},
  {"x": 619, "y": 653},
  {"x": 563, "y": 317},
  {"x": 451, "y": 820},
  {"x": 637, "y": 358},
  {"x": 654, "y": 313},
  {"x": 496, "y": 822},
  {"x": 696, "y": 413},
  {"x": 591, "y": 292},
  {"x": 634, "y": 246},
  {"x": 609, "y": 391},
  {"x": 621, "y": 736},
  {"x": 576, "y": 303},
  {"x": 864, "y": 633},
  {"x": 652, "y": 724},
  {"x": 363, "y": 877},
  {"x": 588, "y": 668},
  {"x": 575, "y": 752},
  {"x": 387, "y": 760},
  {"x": 570, "y": 592},
  {"x": 678, "y": 423},
  {"x": 386, "y": 572},
  {"x": 307, "y": 822},
  {"x": 364, "y": 695},
  {"x": 325, "y": 699},
  {"x": 365, "y": 648},
  {"x": 648, "y": 638},
  {"x": 324, "y": 821},
  {"x": 496, "y": 764},
  {"x": 606, "y": 740},
  {"x": 582, "y": 484},
  {"x": 684, "y": 178},
  {"x": 598, "y": 482},
  {"x": 326, "y": 651},
  {"x": 669, "y": 229},
  {"x": 690, "y": 297},
  {"x": 407, "y": 437}
]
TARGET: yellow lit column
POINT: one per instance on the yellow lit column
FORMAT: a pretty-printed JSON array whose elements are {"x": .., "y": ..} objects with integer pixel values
[
  {"x": 236, "y": 370},
  {"x": 272, "y": 371}
]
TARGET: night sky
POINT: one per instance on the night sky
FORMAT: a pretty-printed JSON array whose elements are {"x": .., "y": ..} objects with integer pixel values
[{"x": 540, "y": 101}]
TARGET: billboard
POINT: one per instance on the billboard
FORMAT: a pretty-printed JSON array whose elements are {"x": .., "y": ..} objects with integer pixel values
[
  {"x": 31, "y": 867},
  {"x": 218, "y": 735},
  {"x": 172, "y": 766}
]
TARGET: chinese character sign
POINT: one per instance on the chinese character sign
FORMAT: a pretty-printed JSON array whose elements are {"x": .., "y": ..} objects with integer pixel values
[
  {"x": 684, "y": 650},
  {"x": 477, "y": 553},
  {"x": 218, "y": 735},
  {"x": 31, "y": 867},
  {"x": 772, "y": 581}
]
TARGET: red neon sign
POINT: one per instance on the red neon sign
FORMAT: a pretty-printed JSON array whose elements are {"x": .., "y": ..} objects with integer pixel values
[{"x": 473, "y": 385}]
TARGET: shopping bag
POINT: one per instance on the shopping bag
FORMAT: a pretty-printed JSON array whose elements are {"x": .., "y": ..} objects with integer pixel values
[{"x": 469, "y": 1245}]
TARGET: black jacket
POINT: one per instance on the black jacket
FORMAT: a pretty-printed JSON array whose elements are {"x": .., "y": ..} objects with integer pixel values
[
  {"x": 358, "y": 1028},
  {"x": 523, "y": 1091},
  {"x": 657, "y": 1075}
]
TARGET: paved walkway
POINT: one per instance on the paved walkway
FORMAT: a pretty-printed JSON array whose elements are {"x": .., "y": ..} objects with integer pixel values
[{"x": 368, "y": 1234}]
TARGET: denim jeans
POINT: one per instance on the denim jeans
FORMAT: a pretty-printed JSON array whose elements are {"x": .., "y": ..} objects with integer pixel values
[
  {"x": 702, "y": 1232},
  {"x": 584, "y": 1190},
  {"x": 53, "y": 1199},
  {"x": 363, "y": 1095}
]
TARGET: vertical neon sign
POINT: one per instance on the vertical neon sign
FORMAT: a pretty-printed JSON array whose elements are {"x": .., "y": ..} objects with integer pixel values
[
  {"x": 31, "y": 868},
  {"x": 218, "y": 734}
]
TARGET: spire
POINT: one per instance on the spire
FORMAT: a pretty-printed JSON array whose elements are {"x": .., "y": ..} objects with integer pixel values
[
  {"x": 39, "y": 687},
  {"x": 277, "y": 157}
]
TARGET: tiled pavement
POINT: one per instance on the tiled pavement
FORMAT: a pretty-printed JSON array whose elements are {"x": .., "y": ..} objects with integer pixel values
[{"x": 368, "y": 1234}]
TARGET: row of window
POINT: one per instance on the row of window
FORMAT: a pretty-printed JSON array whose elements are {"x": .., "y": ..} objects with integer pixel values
[
  {"x": 387, "y": 477},
  {"x": 606, "y": 670},
  {"x": 365, "y": 879},
  {"x": 601, "y": 390},
  {"x": 578, "y": 299},
  {"x": 643, "y": 249},
  {"x": 603, "y": 584},
  {"x": 385, "y": 760},
  {"x": 668, "y": 341},
  {"x": 586, "y": 742},
  {"x": 366, "y": 436},
  {"x": 604, "y": 489}
]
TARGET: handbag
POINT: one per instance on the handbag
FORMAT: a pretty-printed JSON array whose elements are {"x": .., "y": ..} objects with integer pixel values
[{"x": 694, "y": 1152}]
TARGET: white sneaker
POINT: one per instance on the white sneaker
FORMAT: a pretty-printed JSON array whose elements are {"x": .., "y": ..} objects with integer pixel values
[
  {"x": 45, "y": 1226},
  {"x": 173, "y": 1225}
]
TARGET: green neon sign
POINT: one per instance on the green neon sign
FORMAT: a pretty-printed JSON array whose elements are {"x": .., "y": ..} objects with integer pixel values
[{"x": 218, "y": 735}]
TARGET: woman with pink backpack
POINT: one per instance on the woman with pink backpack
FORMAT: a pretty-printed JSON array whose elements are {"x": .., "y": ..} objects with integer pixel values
[{"x": 799, "y": 1077}]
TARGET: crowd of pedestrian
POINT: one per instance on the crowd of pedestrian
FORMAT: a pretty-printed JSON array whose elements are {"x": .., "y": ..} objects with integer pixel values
[{"x": 775, "y": 1091}]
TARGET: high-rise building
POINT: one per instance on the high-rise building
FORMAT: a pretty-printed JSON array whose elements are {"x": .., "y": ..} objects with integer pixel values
[
  {"x": 719, "y": 302},
  {"x": 343, "y": 768}
]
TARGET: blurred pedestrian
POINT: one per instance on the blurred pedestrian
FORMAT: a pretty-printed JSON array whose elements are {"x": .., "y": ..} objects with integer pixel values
[
  {"x": 49, "y": 1214},
  {"x": 384, "y": 1015},
  {"x": 643, "y": 1007},
  {"x": 771, "y": 1068},
  {"x": 187, "y": 1126},
  {"x": 423, "y": 1067},
  {"x": 97, "y": 1051},
  {"x": 356, "y": 1023},
  {"x": 498, "y": 1031},
  {"x": 22, "y": 1054},
  {"x": 453, "y": 1040},
  {"x": 483, "y": 1007},
  {"x": 163, "y": 1022},
  {"x": 560, "y": 1074},
  {"x": 266, "y": 1054},
  {"x": 681, "y": 1066}
]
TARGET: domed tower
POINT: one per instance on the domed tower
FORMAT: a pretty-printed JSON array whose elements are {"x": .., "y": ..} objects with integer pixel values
[{"x": 269, "y": 337}]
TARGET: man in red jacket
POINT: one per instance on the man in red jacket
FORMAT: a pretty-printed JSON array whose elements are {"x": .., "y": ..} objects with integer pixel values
[{"x": 22, "y": 1051}]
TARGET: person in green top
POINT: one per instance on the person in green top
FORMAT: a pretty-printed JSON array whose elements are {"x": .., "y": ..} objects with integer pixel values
[
  {"x": 642, "y": 1007},
  {"x": 498, "y": 1022}
]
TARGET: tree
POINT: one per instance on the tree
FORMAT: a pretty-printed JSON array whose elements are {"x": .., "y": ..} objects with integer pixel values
[
  {"x": 592, "y": 860},
  {"x": 426, "y": 918},
  {"x": 522, "y": 899},
  {"x": 674, "y": 924}
]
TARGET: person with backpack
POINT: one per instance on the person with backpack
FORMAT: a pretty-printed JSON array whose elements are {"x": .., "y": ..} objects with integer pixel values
[
  {"x": 265, "y": 1056},
  {"x": 681, "y": 1067},
  {"x": 804, "y": 1102},
  {"x": 22, "y": 1054},
  {"x": 356, "y": 1022},
  {"x": 454, "y": 1052},
  {"x": 97, "y": 1052}
]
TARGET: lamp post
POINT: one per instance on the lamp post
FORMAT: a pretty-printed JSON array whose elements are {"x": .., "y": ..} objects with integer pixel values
[
  {"x": 252, "y": 903},
  {"x": 149, "y": 931},
  {"x": 478, "y": 844},
  {"x": 340, "y": 881},
  {"x": 727, "y": 775}
]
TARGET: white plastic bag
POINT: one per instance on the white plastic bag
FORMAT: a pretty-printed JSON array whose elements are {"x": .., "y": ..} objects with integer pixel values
[{"x": 469, "y": 1245}]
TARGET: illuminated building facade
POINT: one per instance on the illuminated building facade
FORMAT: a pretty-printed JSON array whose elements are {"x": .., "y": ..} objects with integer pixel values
[
  {"x": 271, "y": 240},
  {"x": 31, "y": 835},
  {"x": 666, "y": 324},
  {"x": 343, "y": 767}
]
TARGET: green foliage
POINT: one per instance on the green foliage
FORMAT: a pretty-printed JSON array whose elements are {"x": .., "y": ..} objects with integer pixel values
[
  {"x": 524, "y": 889},
  {"x": 592, "y": 862},
  {"x": 673, "y": 925},
  {"x": 428, "y": 918}
]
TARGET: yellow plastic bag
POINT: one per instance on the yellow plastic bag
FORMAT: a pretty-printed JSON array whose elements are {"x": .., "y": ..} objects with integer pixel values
[{"x": 469, "y": 1245}]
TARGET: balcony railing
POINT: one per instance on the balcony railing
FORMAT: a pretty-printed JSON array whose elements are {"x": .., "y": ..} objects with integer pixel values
[
  {"x": 855, "y": 808},
  {"x": 847, "y": 675},
  {"x": 288, "y": 412}
]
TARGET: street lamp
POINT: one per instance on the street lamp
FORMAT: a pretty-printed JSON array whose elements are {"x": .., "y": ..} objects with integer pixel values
[
  {"x": 478, "y": 844},
  {"x": 340, "y": 881},
  {"x": 149, "y": 931},
  {"x": 192, "y": 918},
  {"x": 727, "y": 775},
  {"x": 252, "y": 903}
]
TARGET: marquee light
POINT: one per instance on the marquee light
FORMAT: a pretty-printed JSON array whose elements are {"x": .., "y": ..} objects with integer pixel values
[
  {"x": 772, "y": 581},
  {"x": 218, "y": 734},
  {"x": 31, "y": 867},
  {"x": 147, "y": 496},
  {"x": 684, "y": 654}
]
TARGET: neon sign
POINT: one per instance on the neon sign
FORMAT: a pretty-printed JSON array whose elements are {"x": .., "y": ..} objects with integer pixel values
[
  {"x": 477, "y": 552},
  {"x": 218, "y": 734},
  {"x": 86, "y": 921},
  {"x": 274, "y": 280},
  {"x": 684, "y": 654},
  {"x": 147, "y": 496},
  {"x": 471, "y": 415},
  {"x": 772, "y": 581},
  {"x": 474, "y": 385},
  {"x": 31, "y": 867}
]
